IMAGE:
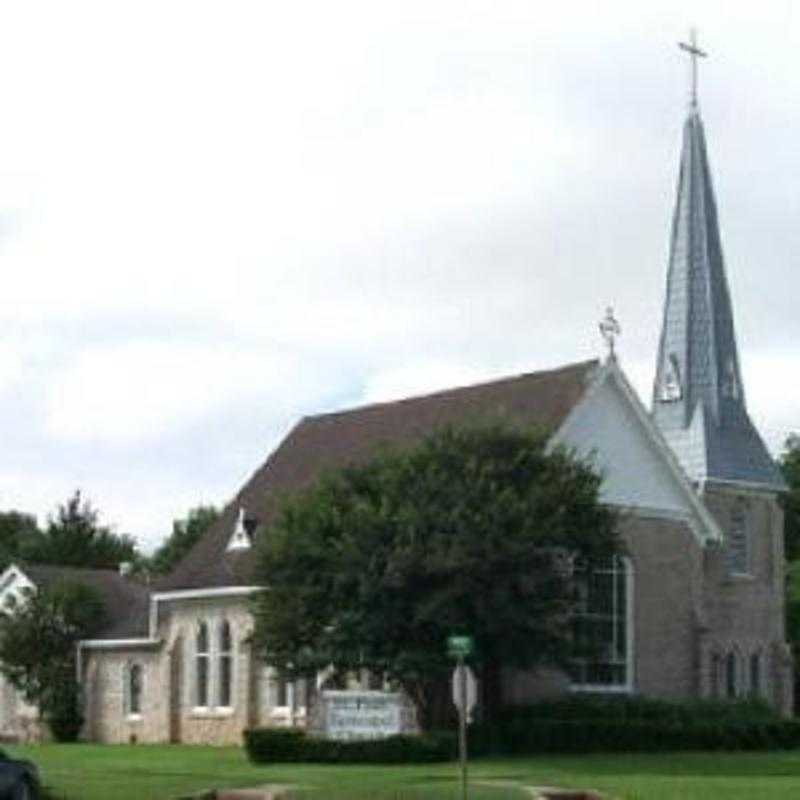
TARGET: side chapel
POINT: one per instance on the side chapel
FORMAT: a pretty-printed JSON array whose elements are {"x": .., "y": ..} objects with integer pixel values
[{"x": 695, "y": 610}]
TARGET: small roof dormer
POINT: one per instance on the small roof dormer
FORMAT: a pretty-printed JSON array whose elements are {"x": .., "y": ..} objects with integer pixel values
[{"x": 243, "y": 531}]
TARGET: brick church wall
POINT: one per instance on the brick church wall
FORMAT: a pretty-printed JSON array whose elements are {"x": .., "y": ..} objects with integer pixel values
[
  {"x": 746, "y": 612},
  {"x": 667, "y": 587}
]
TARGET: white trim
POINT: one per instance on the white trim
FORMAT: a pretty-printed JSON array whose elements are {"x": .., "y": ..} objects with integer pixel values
[
  {"x": 196, "y": 594},
  {"x": 111, "y": 644},
  {"x": 743, "y": 487},
  {"x": 713, "y": 530},
  {"x": 211, "y": 712},
  {"x": 13, "y": 580},
  {"x": 597, "y": 688},
  {"x": 654, "y": 513},
  {"x": 9, "y": 573},
  {"x": 707, "y": 530}
]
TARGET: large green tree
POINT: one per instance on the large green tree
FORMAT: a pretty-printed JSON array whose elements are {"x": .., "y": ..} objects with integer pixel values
[
  {"x": 790, "y": 467},
  {"x": 185, "y": 533},
  {"x": 19, "y": 534},
  {"x": 38, "y": 636},
  {"x": 75, "y": 537},
  {"x": 470, "y": 531}
]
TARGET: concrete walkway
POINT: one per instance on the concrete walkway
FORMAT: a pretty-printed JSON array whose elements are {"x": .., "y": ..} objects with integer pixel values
[
  {"x": 270, "y": 791},
  {"x": 277, "y": 792},
  {"x": 543, "y": 792}
]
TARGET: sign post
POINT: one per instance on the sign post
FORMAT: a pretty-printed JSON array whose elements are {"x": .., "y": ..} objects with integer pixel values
[{"x": 464, "y": 697}]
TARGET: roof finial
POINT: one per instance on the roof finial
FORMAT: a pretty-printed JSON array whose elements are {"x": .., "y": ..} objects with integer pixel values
[
  {"x": 694, "y": 52},
  {"x": 609, "y": 330}
]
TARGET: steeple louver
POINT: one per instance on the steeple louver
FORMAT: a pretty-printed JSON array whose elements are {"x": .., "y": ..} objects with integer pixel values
[{"x": 698, "y": 396}]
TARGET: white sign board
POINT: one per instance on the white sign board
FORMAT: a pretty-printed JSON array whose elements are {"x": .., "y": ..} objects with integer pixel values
[{"x": 362, "y": 714}]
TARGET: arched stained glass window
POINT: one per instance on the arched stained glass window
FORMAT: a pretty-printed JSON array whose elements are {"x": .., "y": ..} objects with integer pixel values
[
  {"x": 755, "y": 674},
  {"x": 132, "y": 691},
  {"x": 738, "y": 536},
  {"x": 225, "y": 660},
  {"x": 731, "y": 675},
  {"x": 201, "y": 665},
  {"x": 282, "y": 692},
  {"x": 716, "y": 674},
  {"x": 600, "y": 625}
]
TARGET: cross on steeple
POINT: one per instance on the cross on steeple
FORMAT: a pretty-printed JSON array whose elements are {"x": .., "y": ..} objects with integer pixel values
[
  {"x": 609, "y": 330},
  {"x": 694, "y": 52}
]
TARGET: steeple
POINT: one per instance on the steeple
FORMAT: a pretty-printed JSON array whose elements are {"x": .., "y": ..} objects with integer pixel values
[{"x": 698, "y": 397}]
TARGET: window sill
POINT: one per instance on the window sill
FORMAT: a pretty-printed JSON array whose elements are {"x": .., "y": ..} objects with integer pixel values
[
  {"x": 204, "y": 712},
  {"x": 133, "y": 718},
  {"x": 740, "y": 577},
  {"x": 285, "y": 712},
  {"x": 577, "y": 688}
]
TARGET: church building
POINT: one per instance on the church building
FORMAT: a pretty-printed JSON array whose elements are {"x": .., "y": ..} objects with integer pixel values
[{"x": 695, "y": 609}]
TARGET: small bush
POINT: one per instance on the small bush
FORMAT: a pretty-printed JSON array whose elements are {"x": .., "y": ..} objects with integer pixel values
[
  {"x": 280, "y": 745},
  {"x": 63, "y": 713}
]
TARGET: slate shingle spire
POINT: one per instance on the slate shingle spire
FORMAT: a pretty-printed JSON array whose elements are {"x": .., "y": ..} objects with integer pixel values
[{"x": 698, "y": 397}]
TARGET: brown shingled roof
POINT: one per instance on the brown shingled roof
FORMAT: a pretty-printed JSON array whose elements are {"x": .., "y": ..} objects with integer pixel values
[
  {"x": 338, "y": 439},
  {"x": 126, "y": 601}
]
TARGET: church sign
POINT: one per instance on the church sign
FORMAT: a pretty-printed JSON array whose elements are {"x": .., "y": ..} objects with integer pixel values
[{"x": 364, "y": 714}]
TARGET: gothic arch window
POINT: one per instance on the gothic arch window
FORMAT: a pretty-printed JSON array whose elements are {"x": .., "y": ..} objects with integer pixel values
[
  {"x": 730, "y": 675},
  {"x": 733, "y": 677},
  {"x": 601, "y": 626},
  {"x": 201, "y": 658},
  {"x": 225, "y": 665},
  {"x": 756, "y": 670},
  {"x": 716, "y": 674},
  {"x": 284, "y": 691},
  {"x": 738, "y": 536},
  {"x": 133, "y": 676}
]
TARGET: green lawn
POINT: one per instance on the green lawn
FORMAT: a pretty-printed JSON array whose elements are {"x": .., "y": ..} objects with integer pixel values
[{"x": 95, "y": 772}]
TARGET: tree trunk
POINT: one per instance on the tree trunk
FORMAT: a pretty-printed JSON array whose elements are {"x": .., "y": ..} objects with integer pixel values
[{"x": 434, "y": 704}]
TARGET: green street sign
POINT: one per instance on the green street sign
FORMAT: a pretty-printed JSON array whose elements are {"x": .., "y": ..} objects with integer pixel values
[{"x": 460, "y": 646}]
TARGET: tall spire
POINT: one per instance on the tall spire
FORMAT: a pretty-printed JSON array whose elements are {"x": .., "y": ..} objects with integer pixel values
[{"x": 698, "y": 397}]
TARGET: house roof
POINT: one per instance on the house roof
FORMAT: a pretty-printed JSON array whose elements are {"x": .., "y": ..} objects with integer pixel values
[
  {"x": 126, "y": 602},
  {"x": 335, "y": 440}
]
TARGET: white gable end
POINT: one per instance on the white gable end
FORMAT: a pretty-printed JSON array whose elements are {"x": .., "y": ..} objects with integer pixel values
[
  {"x": 14, "y": 583},
  {"x": 610, "y": 426}
]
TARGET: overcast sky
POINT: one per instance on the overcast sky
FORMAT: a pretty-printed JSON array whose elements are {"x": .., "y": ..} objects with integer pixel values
[{"x": 218, "y": 217}]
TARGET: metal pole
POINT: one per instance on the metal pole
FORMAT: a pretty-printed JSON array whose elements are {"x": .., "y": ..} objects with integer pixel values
[{"x": 462, "y": 724}]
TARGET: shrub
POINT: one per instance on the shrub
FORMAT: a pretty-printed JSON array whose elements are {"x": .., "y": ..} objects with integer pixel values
[
  {"x": 634, "y": 707},
  {"x": 277, "y": 745},
  {"x": 583, "y": 724},
  {"x": 64, "y": 714}
]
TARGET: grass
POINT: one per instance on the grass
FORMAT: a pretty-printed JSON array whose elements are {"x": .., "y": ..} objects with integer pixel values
[{"x": 142, "y": 772}]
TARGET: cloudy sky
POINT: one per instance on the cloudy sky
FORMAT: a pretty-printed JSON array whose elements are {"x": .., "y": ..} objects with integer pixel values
[{"x": 216, "y": 217}]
